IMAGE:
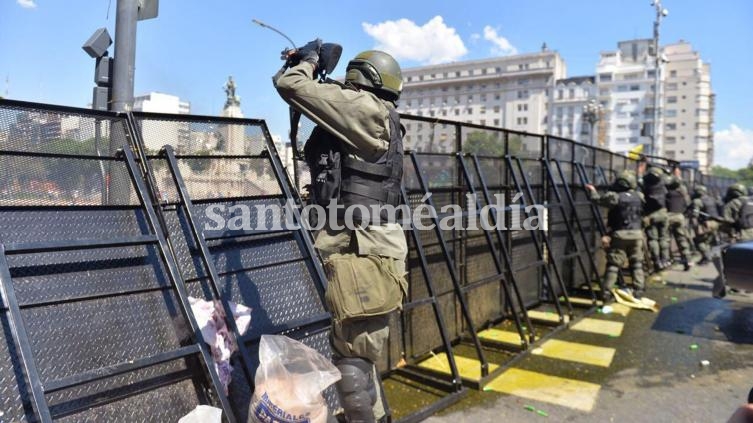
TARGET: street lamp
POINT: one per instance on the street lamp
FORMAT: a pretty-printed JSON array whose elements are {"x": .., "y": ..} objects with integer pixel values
[
  {"x": 660, "y": 14},
  {"x": 592, "y": 111}
]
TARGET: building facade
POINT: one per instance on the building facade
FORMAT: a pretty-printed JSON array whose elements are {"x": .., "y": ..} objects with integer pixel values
[
  {"x": 508, "y": 92},
  {"x": 158, "y": 133},
  {"x": 688, "y": 106},
  {"x": 566, "y": 113}
]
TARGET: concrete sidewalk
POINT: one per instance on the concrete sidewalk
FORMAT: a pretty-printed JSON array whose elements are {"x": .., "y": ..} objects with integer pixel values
[{"x": 632, "y": 366}]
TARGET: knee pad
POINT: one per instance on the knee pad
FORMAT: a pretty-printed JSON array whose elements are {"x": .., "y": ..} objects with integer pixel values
[{"x": 357, "y": 389}]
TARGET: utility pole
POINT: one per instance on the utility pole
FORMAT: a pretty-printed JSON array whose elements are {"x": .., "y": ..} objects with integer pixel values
[
  {"x": 125, "y": 55},
  {"x": 661, "y": 12}
]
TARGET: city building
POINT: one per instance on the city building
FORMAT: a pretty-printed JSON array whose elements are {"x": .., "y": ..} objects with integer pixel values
[
  {"x": 566, "y": 114},
  {"x": 625, "y": 80},
  {"x": 507, "y": 92},
  {"x": 688, "y": 107},
  {"x": 158, "y": 133}
]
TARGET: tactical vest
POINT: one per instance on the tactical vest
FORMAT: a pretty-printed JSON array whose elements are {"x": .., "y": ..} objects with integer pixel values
[
  {"x": 709, "y": 206},
  {"x": 350, "y": 182},
  {"x": 745, "y": 219},
  {"x": 656, "y": 194},
  {"x": 676, "y": 201},
  {"x": 627, "y": 213}
]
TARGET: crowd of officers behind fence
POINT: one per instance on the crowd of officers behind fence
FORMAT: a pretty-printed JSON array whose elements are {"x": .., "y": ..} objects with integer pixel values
[{"x": 648, "y": 208}]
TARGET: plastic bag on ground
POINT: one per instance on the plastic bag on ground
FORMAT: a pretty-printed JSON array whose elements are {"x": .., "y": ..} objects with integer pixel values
[
  {"x": 203, "y": 414},
  {"x": 289, "y": 382}
]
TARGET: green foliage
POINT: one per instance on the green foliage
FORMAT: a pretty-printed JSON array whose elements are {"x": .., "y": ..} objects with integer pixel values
[
  {"x": 744, "y": 175},
  {"x": 200, "y": 165},
  {"x": 484, "y": 143}
]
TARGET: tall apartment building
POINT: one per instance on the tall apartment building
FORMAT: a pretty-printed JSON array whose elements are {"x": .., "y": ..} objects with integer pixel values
[
  {"x": 157, "y": 133},
  {"x": 510, "y": 92},
  {"x": 688, "y": 106},
  {"x": 625, "y": 80},
  {"x": 566, "y": 117}
]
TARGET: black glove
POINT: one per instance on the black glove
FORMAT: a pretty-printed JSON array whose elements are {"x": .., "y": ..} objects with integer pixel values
[{"x": 308, "y": 53}]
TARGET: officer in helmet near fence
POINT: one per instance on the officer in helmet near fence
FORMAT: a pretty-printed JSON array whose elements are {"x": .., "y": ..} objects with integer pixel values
[
  {"x": 678, "y": 202},
  {"x": 355, "y": 158},
  {"x": 705, "y": 213},
  {"x": 737, "y": 220},
  {"x": 624, "y": 242},
  {"x": 655, "y": 214}
]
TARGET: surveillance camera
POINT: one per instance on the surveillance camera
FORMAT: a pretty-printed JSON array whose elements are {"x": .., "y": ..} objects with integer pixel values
[
  {"x": 663, "y": 57},
  {"x": 653, "y": 3},
  {"x": 664, "y": 12}
]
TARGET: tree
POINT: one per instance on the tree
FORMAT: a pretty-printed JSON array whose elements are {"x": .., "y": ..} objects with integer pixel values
[{"x": 484, "y": 143}]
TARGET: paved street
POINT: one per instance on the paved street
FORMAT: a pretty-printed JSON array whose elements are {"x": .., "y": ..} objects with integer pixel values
[{"x": 632, "y": 365}]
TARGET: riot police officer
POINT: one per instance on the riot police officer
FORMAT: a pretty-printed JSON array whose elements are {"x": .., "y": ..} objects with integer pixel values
[
  {"x": 355, "y": 158},
  {"x": 625, "y": 243},
  {"x": 737, "y": 220},
  {"x": 706, "y": 215},
  {"x": 677, "y": 204},
  {"x": 655, "y": 216}
]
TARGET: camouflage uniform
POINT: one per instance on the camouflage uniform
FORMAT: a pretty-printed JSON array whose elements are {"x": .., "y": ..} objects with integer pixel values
[
  {"x": 655, "y": 217},
  {"x": 737, "y": 219},
  {"x": 625, "y": 205},
  {"x": 707, "y": 229},
  {"x": 677, "y": 203}
]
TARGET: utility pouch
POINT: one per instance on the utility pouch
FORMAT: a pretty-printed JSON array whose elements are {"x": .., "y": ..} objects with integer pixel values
[
  {"x": 324, "y": 159},
  {"x": 362, "y": 286}
]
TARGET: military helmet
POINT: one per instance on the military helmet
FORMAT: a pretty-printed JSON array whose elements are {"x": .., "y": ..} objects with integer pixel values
[
  {"x": 700, "y": 190},
  {"x": 626, "y": 180},
  {"x": 736, "y": 190},
  {"x": 378, "y": 70}
]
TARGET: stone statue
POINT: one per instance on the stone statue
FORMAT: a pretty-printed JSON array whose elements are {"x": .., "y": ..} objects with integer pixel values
[{"x": 232, "y": 99}]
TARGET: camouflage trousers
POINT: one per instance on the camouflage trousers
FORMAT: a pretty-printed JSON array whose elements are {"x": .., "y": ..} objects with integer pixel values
[
  {"x": 625, "y": 248},
  {"x": 706, "y": 236},
  {"x": 657, "y": 233},
  {"x": 676, "y": 224}
]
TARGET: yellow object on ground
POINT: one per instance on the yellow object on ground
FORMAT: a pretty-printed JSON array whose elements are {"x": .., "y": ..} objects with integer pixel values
[
  {"x": 545, "y": 316},
  {"x": 626, "y": 299},
  {"x": 503, "y": 336},
  {"x": 569, "y": 393},
  {"x": 579, "y": 353},
  {"x": 599, "y": 326},
  {"x": 620, "y": 309},
  {"x": 469, "y": 368}
]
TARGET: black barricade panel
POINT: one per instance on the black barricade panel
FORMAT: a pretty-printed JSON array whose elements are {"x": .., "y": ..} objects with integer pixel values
[
  {"x": 238, "y": 204},
  {"x": 85, "y": 308}
]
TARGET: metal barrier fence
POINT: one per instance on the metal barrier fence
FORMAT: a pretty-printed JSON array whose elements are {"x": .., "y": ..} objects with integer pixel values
[{"x": 105, "y": 233}]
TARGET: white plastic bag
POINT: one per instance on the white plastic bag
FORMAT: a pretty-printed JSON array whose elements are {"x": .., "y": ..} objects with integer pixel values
[
  {"x": 203, "y": 414},
  {"x": 289, "y": 382}
]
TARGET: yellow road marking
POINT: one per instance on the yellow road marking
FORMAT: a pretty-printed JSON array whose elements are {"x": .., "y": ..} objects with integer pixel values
[
  {"x": 602, "y": 327},
  {"x": 579, "y": 353},
  {"x": 504, "y": 336},
  {"x": 469, "y": 368},
  {"x": 541, "y": 387}
]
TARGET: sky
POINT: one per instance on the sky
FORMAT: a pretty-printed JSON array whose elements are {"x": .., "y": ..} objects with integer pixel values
[{"x": 192, "y": 47}]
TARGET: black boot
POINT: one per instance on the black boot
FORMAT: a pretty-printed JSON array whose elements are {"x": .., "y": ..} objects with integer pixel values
[{"x": 357, "y": 389}]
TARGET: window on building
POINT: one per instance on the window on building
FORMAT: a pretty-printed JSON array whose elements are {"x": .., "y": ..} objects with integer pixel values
[
  {"x": 673, "y": 74},
  {"x": 635, "y": 88},
  {"x": 560, "y": 94},
  {"x": 496, "y": 122},
  {"x": 523, "y": 94},
  {"x": 633, "y": 140},
  {"x": 469, "y": 110},
  {"x": 498, "y": 70},
  {"x": 571, "y": 93},
  {"x": 670, "y": 140},
  {"x": 670, "y": 126},
  {"x": 523, "y": 81},
  {"x": 421, "y": 78},
  {"x": 670, "y": 154},
  {"x": 604, "y": 91},
  {"x": 621, "y": 127},
  {"x": 482, "y": 110},
  {"x": 483, "y": 121},
  {"x": 444, "y": 112},
  {"x": 431, "y": 113},
  {"x": 651, "y": 73},
  {"x": 670, "y": 113},
  {"x": 483, "y": 97},
  {"x": 634, "y": 126},
  {"x": 483, "y": 71},
  {"x": 457, "y": 112},
  {"x": 497, "y": 96},
  {"x": 605, "y": 77},
  {"x": 672, "y": 86},
  {"x": 457, "y": 74},
  {"x": 470, "y": 98}
]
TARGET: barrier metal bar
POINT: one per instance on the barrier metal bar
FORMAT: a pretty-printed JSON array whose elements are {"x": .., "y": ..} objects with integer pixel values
[
  {"x": 508, "y": 262},
  {"x": 456, "y": 381},
  {"x": 571, "y": 201},
  {"x": 204, "y": 253},
  {"x": 539, "y": 251},
  {"x": 21, "y": 339},
  {"x": 177, "y": 281},
  {"x": 451, "y": 269}
]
